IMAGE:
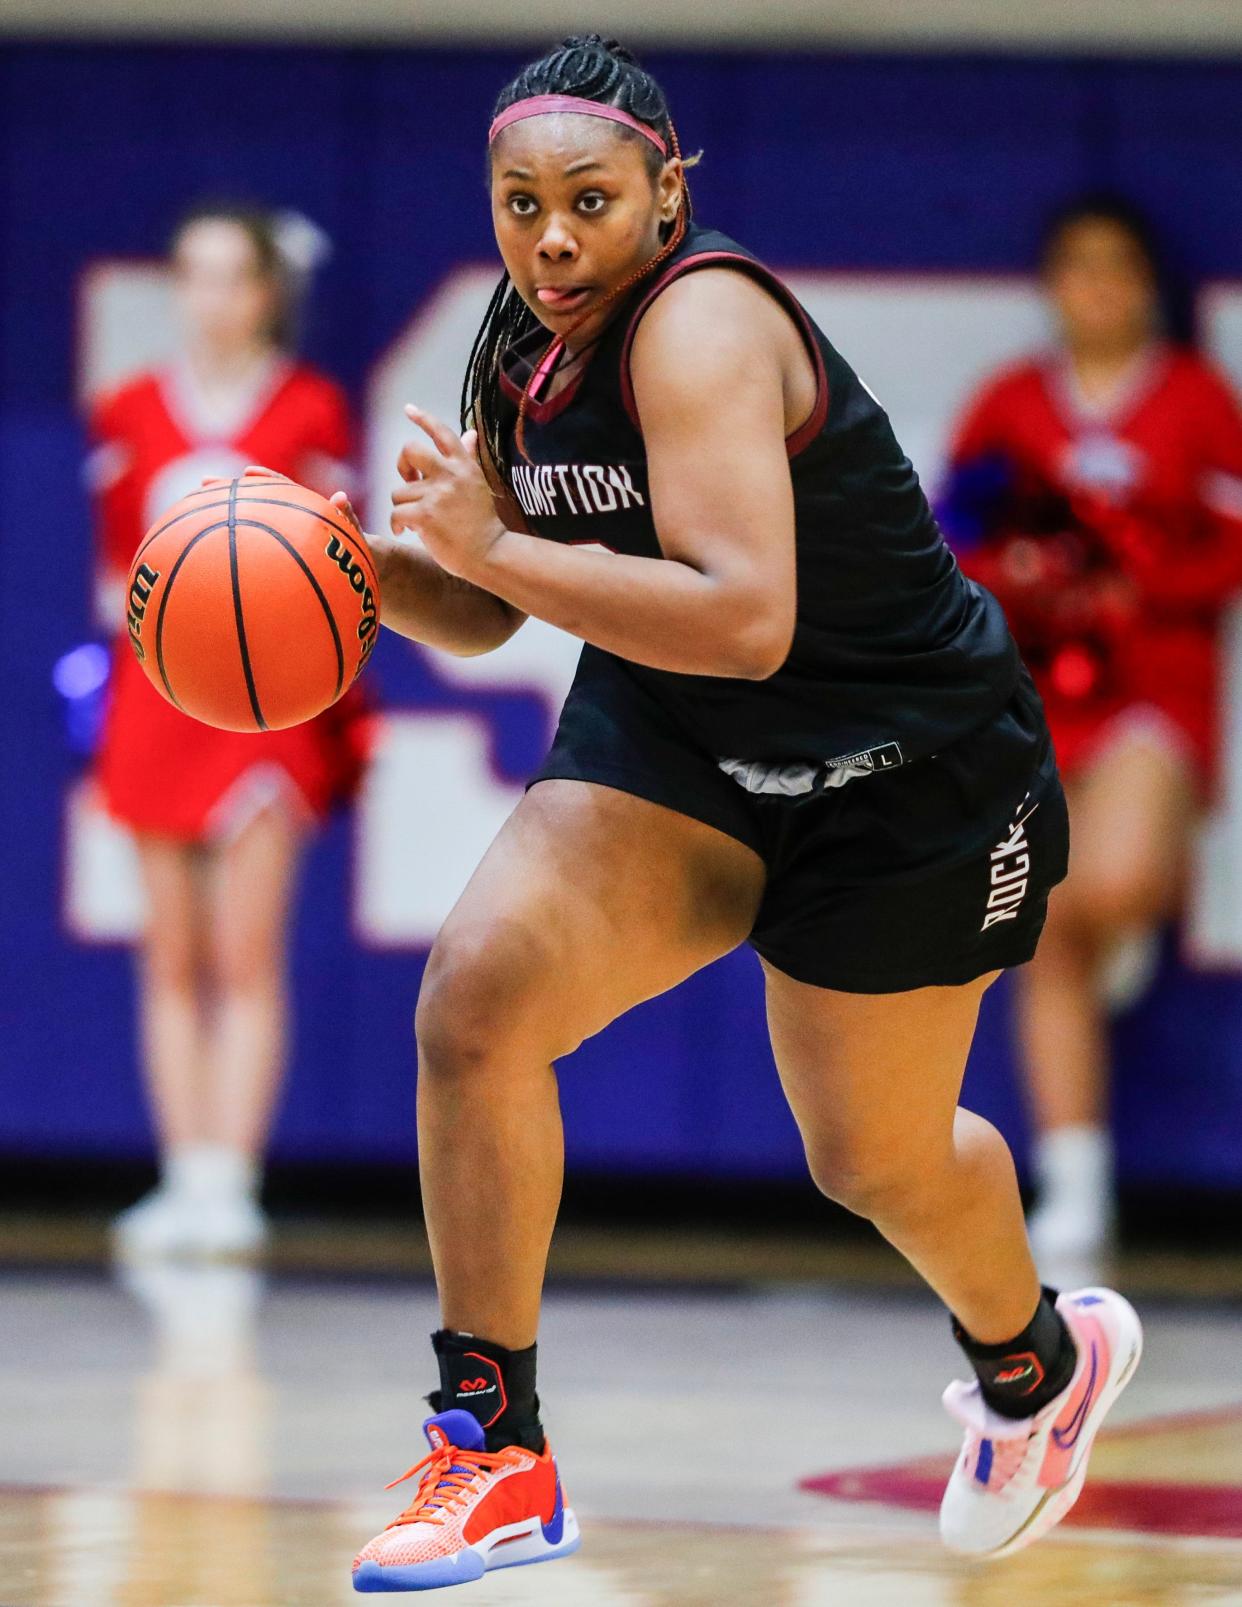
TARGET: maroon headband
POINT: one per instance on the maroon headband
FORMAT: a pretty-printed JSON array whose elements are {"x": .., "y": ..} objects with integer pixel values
[{"x": 540, "y": 105}]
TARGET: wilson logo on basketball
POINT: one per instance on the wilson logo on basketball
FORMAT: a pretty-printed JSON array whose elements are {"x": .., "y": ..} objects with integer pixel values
[
  {"x": 475, "y": 1386},
  {"x": 139, "y": 596},
  {"x": 227, "y": 578},
  {"x": 368, "y": 625}
]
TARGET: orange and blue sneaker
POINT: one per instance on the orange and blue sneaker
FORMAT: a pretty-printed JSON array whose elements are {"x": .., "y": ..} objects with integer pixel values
[
  {"x": 1016, "y": 1479},
  {"x": 473, "y": 1510}
]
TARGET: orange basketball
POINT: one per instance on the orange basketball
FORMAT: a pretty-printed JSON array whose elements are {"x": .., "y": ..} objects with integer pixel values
[{"x": 253, "y": 603}]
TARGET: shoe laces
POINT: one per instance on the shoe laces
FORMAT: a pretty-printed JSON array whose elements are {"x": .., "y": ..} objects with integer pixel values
[
  {"x": 1011, "y": 1438},
  {"x": 965, "y": 1402},
  {"x": 444, "y": 1476}
]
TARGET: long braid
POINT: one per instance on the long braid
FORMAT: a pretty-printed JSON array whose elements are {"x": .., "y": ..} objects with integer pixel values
[
  {"x": 591, "y": 68},
  {"x": 505, "y": 322}
]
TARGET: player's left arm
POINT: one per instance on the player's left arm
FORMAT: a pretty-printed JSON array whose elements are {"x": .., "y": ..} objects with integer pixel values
[
  {"x": 1206, "y": 573},
  {"x": 708, "y": 380},
  {"x": 1220, "y": 487}
]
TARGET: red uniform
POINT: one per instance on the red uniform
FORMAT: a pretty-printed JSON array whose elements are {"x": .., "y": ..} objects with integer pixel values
[
  {"x": 1113, "y": 538},
  {"x": 160, "y": 771}
]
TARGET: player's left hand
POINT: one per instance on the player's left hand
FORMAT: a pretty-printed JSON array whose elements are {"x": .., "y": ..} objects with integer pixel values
[
  {"x": 252, "y": 471},
  {"x": 445, "y": 499}
]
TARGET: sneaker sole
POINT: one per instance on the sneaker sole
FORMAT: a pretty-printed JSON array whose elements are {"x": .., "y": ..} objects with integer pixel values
[
  {"x": 1058, "y": 1502},
  {"x": 516, "y": 1546}
]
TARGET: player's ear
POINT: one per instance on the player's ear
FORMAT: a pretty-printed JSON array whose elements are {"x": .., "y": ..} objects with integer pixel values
[{"x": 669, "y": 190}]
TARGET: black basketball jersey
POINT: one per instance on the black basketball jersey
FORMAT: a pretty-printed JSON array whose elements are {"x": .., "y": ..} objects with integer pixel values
[{"x": 895, "y": 653}]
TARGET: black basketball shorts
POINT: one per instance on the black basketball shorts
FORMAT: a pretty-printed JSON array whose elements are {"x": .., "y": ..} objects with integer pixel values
[{"x": 929, "y": 874}]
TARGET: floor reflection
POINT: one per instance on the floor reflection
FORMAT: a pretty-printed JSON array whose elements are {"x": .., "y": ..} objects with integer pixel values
[
  {"x": 192, "y": 1437},
  {"x": 83, "y": 1549}
]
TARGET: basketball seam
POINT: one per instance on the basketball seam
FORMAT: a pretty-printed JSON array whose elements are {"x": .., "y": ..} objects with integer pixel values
[
  {"x": 253, "y": 524},
  {"x": 211, "y": 490},
  {"x": 186, "y": 514},
  {"x": 238, "y": 616},
  {"x": 159, "y": 617},
  {"x": 347, "y": 531}
]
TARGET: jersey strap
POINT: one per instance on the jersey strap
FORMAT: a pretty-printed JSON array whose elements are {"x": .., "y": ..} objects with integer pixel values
[
  {"x": 541, "y": 367},
  {"x": 807, "y": 431}
]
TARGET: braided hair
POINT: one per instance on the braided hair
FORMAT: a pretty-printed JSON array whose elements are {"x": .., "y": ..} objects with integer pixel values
[{"x": 591, "y": 68}]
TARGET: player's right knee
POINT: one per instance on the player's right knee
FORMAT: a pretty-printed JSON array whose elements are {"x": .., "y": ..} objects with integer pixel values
[{"x": 487, "y": 992}]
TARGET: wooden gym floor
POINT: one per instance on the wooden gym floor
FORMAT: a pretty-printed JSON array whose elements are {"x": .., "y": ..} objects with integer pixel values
[{"x": 217, "y": 1437}]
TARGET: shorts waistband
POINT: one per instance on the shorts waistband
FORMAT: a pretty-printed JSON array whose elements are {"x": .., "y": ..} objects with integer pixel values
[{"x": 794, "y": 779}]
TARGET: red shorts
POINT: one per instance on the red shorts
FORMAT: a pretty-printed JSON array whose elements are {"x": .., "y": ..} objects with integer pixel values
[
  {"x": 164, "y": 774},
  {"x": 1165, "y": 687}
]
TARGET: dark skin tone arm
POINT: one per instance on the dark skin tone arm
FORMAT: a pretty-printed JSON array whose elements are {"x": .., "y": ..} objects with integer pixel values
[
  {"x": 715, "y": 415},
  {"x": 428, "y": 604}
]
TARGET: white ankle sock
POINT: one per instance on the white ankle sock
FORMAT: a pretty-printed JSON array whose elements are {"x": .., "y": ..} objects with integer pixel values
[
  {"x": 211, "y": 1171},
  {"x": 1074, "y": 1166}
]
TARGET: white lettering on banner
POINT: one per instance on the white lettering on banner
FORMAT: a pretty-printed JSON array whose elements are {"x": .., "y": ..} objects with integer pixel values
[
  {"x": 963, "y": 329},
  {"x": 431, "y": 803},
  {"x": 102, "y": 880}
]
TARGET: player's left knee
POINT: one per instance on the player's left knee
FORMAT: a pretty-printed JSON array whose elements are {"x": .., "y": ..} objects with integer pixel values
[{"x": 872, "y": 1181}]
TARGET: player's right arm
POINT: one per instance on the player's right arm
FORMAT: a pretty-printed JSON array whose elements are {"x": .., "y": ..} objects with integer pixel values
[{"x": 424, "y": 602}]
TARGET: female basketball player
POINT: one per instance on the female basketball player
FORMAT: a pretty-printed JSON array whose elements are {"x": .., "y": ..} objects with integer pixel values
[
  {"x": 794, "y": 723},
  {"x": 1098, "y": 493},
  {"x": 219, "y": 818}
]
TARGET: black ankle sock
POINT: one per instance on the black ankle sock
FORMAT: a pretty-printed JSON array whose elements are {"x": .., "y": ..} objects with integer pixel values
[
  {"x": 491, "y": 1383},
  {"x": 1021, "y": 1376}
]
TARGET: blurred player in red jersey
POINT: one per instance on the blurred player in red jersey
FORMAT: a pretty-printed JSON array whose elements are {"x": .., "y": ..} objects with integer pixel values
[
  {"x": 219, "y": 818},
  {"x": 1097, "y": 492}
]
